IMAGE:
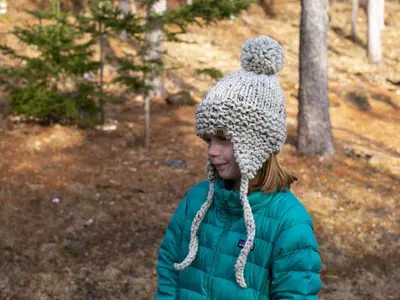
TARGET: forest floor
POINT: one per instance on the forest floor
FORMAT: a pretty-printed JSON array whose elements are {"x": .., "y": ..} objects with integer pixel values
[{"x": 83, "y": 211}]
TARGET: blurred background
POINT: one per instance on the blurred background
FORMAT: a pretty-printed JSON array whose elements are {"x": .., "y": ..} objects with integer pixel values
[{"x": 98, "y": 143}]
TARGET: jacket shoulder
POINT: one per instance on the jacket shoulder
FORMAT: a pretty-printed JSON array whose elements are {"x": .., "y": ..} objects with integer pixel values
[
  {"x": 198, "y": 190},
  {"x": 196, "y": 196},
  {"x": 289, "y": 210}
]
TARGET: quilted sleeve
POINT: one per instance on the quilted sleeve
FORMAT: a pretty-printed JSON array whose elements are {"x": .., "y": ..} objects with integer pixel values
[
  {"x": 296, "y": 261},
  {"x": 168, "y": 255}
]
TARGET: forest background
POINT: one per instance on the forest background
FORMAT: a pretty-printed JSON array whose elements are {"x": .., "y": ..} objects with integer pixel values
[{"x": 84, "y": 206}]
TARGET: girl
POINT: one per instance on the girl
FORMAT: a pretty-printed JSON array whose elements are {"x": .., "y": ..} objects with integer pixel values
[{"x": 242, "y": 234}]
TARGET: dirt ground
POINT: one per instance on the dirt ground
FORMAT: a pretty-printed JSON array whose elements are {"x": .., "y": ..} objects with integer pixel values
[{"x": 83, "y": 211}]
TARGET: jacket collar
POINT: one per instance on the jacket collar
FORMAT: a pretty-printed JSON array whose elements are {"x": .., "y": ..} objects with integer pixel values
[{"x": 229, "y": 201}]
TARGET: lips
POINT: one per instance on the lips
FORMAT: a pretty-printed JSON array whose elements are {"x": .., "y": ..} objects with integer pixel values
[{"x": 218, "y": 166}]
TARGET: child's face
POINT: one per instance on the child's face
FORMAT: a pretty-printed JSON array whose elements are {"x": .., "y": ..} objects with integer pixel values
[{"x": 220, "y": 151}]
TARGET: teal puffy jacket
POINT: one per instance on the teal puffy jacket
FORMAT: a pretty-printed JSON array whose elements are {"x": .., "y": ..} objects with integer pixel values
[{"x": 284, "y": 263}]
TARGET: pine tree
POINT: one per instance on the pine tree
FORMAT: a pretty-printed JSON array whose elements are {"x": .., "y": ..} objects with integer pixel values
[{"x": 48, "y": 86}]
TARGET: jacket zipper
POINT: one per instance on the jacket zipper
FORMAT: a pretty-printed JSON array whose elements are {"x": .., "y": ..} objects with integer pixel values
[{"x": 226, "y": 229}]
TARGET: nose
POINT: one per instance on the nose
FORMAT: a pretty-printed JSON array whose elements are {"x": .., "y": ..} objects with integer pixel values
[{"x": 212, "y": 150}]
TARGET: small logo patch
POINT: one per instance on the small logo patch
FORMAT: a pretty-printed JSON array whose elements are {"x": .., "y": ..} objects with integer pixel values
[
  {"x": 220, "y": 130},
  {"x": 243, "y": 242}
]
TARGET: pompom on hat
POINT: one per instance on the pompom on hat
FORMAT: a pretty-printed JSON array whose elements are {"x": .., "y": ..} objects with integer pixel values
[
  {"x": 262, "y": 55},
  {"x": 249, "y": 106}
]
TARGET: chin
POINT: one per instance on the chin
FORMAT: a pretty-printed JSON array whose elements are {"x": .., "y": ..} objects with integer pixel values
[{"x": 226, "y": 176}]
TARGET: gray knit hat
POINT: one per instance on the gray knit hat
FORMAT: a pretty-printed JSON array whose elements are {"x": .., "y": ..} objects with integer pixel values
[{"x": 248, "y": 106}]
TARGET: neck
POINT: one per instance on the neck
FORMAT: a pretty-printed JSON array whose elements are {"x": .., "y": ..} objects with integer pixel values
[
  {"x": 236, "y": 186},
  {"x": 233, "y": 185}
]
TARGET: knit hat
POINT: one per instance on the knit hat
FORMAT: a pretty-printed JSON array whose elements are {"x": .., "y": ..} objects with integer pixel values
[{"x": 248, "y": 107}]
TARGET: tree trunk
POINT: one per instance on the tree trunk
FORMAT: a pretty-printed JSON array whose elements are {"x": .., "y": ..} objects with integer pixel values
[
  {"x": 354, "y": 17},
  {"x": 314, "y": 128},
  {"x": 146, "y": 119},
  {"x": 374, "y": 32},
  {"x": 154, "y": 41},
  {"x": 153, "y": 51},
  {"x": 382, "y": 13},
  {"x": 3, "y": 7},
  {"x": 101, "y": 66},
  {"x": 127, "y": 6}
]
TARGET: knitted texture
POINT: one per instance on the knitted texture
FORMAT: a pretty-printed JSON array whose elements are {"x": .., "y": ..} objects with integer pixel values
[
  {"x": 262, "y": 55},
  {"x": 251, "y": 232},
  {"x": 249, "y": 106}
]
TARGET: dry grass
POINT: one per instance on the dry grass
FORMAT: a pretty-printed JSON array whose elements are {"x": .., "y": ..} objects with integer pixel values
[{"x": 53, "y": 251}]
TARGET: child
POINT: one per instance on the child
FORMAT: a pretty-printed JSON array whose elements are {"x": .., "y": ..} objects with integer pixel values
[{"x": 242, "y": 234}]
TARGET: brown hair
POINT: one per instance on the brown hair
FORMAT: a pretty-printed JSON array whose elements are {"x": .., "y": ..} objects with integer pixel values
[{"x": 272, "y": 176}]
